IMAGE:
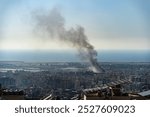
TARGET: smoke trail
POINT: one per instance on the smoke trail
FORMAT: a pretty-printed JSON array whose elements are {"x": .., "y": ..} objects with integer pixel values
[{"x": 53, "y": 24}]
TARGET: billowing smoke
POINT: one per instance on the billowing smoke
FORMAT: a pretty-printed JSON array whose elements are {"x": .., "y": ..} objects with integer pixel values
[{"x": 53, "y": 24}]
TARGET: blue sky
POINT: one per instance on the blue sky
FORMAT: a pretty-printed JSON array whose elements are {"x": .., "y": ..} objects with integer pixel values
[{"x": 109, "y": 24}]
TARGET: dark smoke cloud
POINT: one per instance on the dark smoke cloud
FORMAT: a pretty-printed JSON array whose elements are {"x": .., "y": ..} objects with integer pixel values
[{"x": 53, "y": 24}]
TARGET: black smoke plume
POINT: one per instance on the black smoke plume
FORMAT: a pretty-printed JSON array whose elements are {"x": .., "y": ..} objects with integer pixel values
[{"x": 53, "y": 24}]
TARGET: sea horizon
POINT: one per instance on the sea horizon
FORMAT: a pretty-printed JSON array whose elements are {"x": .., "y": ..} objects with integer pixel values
[{"x": 72, "y": 56}]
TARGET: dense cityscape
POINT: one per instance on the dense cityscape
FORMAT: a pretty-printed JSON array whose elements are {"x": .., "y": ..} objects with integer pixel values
[{"x": 65, "y": 80}]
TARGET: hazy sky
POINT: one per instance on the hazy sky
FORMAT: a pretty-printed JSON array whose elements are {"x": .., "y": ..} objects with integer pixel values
[{"x": 109, "y": 24}]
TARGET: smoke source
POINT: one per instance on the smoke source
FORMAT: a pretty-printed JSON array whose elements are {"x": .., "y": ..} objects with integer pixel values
[{"x": 53, "y": 25}]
